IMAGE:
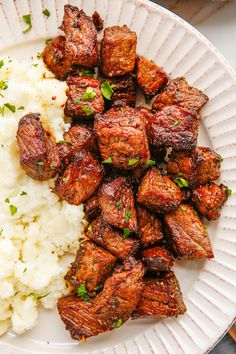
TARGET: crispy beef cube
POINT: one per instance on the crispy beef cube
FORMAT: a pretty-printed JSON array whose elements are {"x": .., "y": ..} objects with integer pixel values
[
  {"x": 97, "y": 20},
  {"x": 178, "y": 92},
  {"x": 91, "y": 207},
  {"x": 55, "y": 59},
  {"x": 111, "y": 239},
  {"x": 116, "y": 199},
  {"x": 147, "y": 115},
  {"x": 124, "y": 91},
  {"x": 122, "y": 137},
  {"x": 150, "y": 77},
  {"x": 188, "y": 234},
  {"x": 92, "y": 266},
  {"x": 80, "y": 178},
  {"x": 161, "y": 297},
  {"x": 81, "y": 47},
  {"x": 150, "y": 230},
  {"x": 118, "y": 51},
  {"x": 84, "y": 98},
  {"x": 39, "y": 156},
  {"x": 209, "y": 199},
  {"x": 175, "y": 127},
  {"x": 80, "y": 137},
  {"x": 158, "y": 193},
  {"x": 207, "y": 165},
  {"x": 157, "y": 259}
]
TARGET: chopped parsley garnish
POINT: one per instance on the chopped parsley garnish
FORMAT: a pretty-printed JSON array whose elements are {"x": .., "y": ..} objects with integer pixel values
[
  {"x": 87, "y": 110},
  {"x": 20, "y": 108},
  {"x": 10, "y": 106},
  {"x": 13, "y": 209},
  {"x": 40, "y": 163},
  {"x": 159, "y": 172},
  {"x": 132, "y": 162},
  {"x": 3, "y": 85},
  {"x": 183, "y": 207},
  {"x": 76, "y": 101},
  {"x": 27, "y": 20},
  {"x": 107, "y": 89},
  {"x": 23, "y": 193},
  {"x": 52, "y": 167},
  {"x": 98, "y": 287},
  {"x": 82, "y": 292},
  {"x": 46, "y": 12},
  {"x": 181, "y": 182},
  {"x": 89, "y": 94},
  {"x": 24, "y": 270},
  {"x": 2, "y": 108},
  {"x": 118, "y": 204},
  {"x": 87, "y": 72},
  {"x": 150, "y": 162},
  {"x": 7, "y": 200},
  {"x": 42, "y": 296},
  {"x": 47, "y": 41},
  {"x": 108, "y": 160},
  {"x": 65, "y": 179},
  {"x": 128, "y": 214},
  {"x": 229, "y": 192},
  {"x": 176, "y": 122},
  {"x": 35, "y": 65},
  {"x": 134, "y": 75},
  {"x": 1, "y": 63},
  {"x": 117, "y": 323},
  {"x": 126, "y": 233},
  {"x": 63, "y": 142},
  {"x": 90, "y": 228}
]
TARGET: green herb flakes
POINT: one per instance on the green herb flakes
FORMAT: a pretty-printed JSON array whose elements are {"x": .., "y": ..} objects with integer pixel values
[
  {"x": 46, "y": 12},
  {"x": 1, "y": 63},
  {"x": 118, "y": 204},
  {"x": 90, "y": 228},
  {"x": 40, "y": 163},
  {"x": 107, "y": 89},
  {"x": 126, "y": 233},
  {"x": 89, "y": 94},
  {"x": 117, "y": 323},
  {"x": 176, "y": 122},
  {"x": 82, "y": 292},
  {"x": 3, "y": 85},
  {"x": 128, "y": 214},
  {"x": 183, "y": 207},
  {"x": 23, "y": 193},
  {"x": 27, "y": 20},
  {"x": 150, "y": 162},
  {"x": 20, "y": 108},
  {"x": 10, "y": 106},
  {"x": 108, "y": 160},
  {"x": 13, "y": 209},
  {"x": 47, "y": 41},
  {"x": 7, "y": 200},
  {"x": 132, "y": 162},
  {"x": 52, "y": 167},
  {"x": 87, "y": 72},
  {"x": 87, "y": 110},
  {"x": 181, "y": 182},
  {"x": 229, "y": 192}
]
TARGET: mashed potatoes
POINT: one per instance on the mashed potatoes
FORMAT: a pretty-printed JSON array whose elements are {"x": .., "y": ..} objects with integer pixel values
[{"x": 37, "y": 231}]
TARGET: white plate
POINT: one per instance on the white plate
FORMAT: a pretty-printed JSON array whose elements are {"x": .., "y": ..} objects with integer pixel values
[{"x": 209, "y": 287}]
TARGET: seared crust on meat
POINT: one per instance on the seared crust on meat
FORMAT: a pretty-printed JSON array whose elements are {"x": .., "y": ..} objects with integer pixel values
[
  {"x": 161, "y": 297},
  {"x": 150, "y": 229},
  {"x": 97, "y": 20},
  {"x": 157, "y": 259},
  {"x": 80, "y": 137},
  {"x": 147, "y": 115},
  {"x": 150, "y": 77},
  {"x": 76, "y": 106},
  {"x": 39, "y": 156},
  {"x": 81, "y": 47},
  {"x": 118, "y": 51},
  {"x": 207, "y": 165},
  {"x": 122, "y": 137},
  {"x": 116, "y": 199},
  {"x": 209, "y": 199},
  {"x": 80, "y": 178},
  {"x": 91, "y": 207},
  {"x": 183, "y": 164},
  {"x": 92, "y": 266},
  {"x": 111, "y": 239},
  {"x": 179, "y": 92},
  {"x": 55, "y": 59},
  {"x": 158, "y": 193},
  {"x": 188, "y": 234},
  {"x": 175, "y": 127}
]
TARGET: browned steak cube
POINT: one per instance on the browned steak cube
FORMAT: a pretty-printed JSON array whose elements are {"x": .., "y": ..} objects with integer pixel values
[
  {"x": 80, "y": 137},
  {"x": 65, "y": 153},
  {"x": 161, "y": 297},
  {"x": 111, "y": 239},
  {"x": 207, "y": 165},
  {"x": 39, "y": 156},
  {"x": 150, "y": 77},
  {"x": 91, "y": 207},
  {"x": 54, "y": 58},
  {"x": 84, "y": 98},
  {"x": 118, "y": 51},
  {"x": 175, "y": 127},
  {"x": 188, "y": 234},
  {"x": 209, "y": 199},
  {"x": 92, "y": 266},
  {"x": 122, "y": 137},
  {"x": 124, "y": 92},
  {"x": 81, "y": 47},
  {"x": 80, "y": 178},
  {"x": 158, "y": 192},
  {"x": 150, "y": 229},
  {"x": 147, "y": 115},
  {"x": 116, "y": 199},
  {"x": 97, "y": 20},
  {"x": 157, "y": 259},
  {"x": 178, "y": 92}
]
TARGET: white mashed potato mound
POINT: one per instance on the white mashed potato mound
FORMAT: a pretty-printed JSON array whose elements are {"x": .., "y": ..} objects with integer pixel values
[{"x": 37, "y": 231}]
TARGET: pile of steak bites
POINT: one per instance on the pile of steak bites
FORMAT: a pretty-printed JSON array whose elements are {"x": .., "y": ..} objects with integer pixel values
[{"x": 142, "y": 202}]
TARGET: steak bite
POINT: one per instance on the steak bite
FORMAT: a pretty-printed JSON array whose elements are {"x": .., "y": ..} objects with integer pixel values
[
  {"x": 209, "y": 199},
  {"x": 81, "y": 47},
  {"x": 80, "y": 178},
  {"x": 111, "y": 239},
  {"x": 97, "y": 20},
  {"x": 161, "y": 297},
  {"x": 207, "y": 165},
  {"x": 116, "y": 199},
  {"x": 158, "y": 193},
  {"x": 91, "y": 207},
  {"x": 122, "y": 137},
  {"x": 55, "y": 59},
  {"x": 92, "y": 266},
  {"x": 178, "y": 92},
  {"x": 150, "y": 77},
  {"x": 118, "y": 51},
  {"x": 175, "y": 127},
  {"x": 84, "y": 98},
  {"x": 188, "y": 234},
  {"x": 150, "y": 229},
  {"x": 39, "y": 156},
  {"x": 147, "y": 115},
  {"x": 80, "y": 137},
  {"x": 157, "y": 259},
  {"x": 124, "y": 92}
]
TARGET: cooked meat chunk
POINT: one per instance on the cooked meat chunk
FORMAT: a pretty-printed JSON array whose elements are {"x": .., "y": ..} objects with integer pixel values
[
  {"x": 64, "y": 150},
  {"x": 54, "y": 58},
  {"x": 80, "y": 178},
  {"x": 92, "y": 266},
  {"x": 188, "y": 234},
  {"x": 91, "y": 207},
  {"x": 157, "y": 259},
  {"x": 97, "y": 20},
  {"x": 158, "y": 192},
  {"x": 150, "y": 229},
  {"x": 80, "y": 137},
  {"x": 39, "y": 156},
  {"x": 81, "y": 47},
  {"x": 111, "y": 239},
  {"x": 161, "y": 297},
  {"x": 122, "y": 137},
  {"x": 124, "y": 92},
  {"x": 84, "y": 98},
  {"x": 116, "y": 199},
  {"x": 178, "y": 92},
  {"x": 150, "y": 77},
  {"x": 207, "y": 165},
  {"x": 209, "y": 199},
  {"x": 175, "y": 127},
  {"x": 118, "y": 51},
  {"x": 148, "y": 117}
]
